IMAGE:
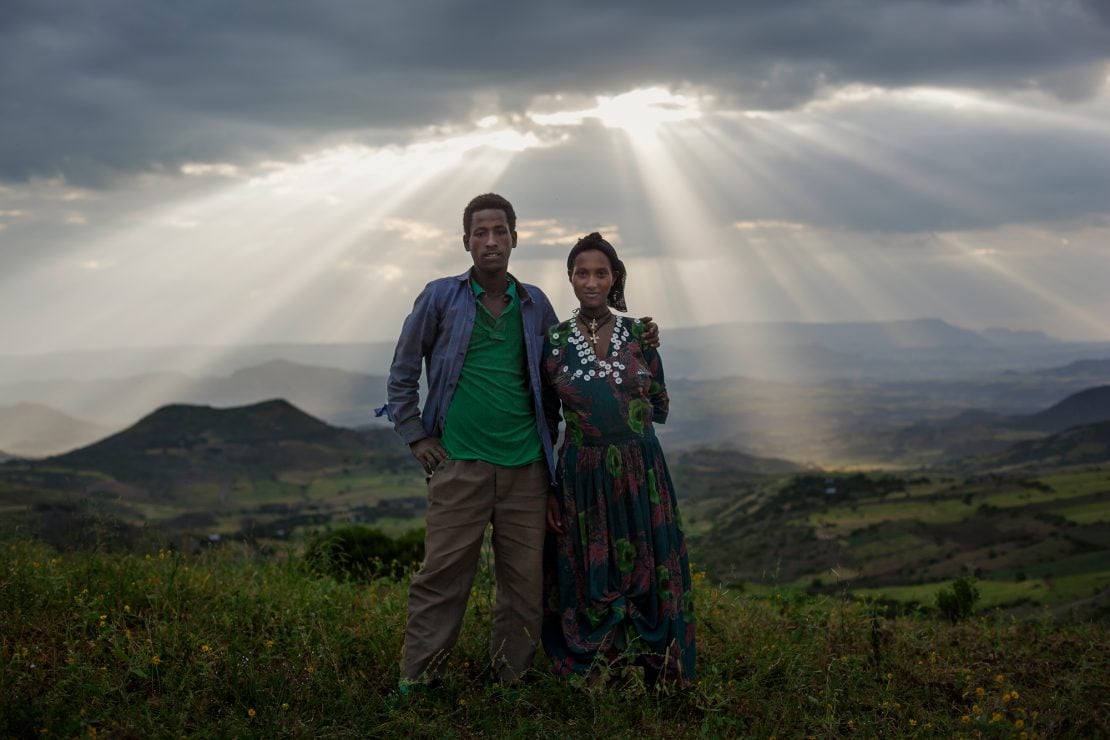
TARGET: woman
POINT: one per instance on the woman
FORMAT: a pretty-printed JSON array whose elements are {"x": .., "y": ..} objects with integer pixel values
[{"x": 617, "y": 575}]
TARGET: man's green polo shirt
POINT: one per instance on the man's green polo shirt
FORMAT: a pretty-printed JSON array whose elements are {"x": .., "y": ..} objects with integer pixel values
[{"x": 491, "y": 416}]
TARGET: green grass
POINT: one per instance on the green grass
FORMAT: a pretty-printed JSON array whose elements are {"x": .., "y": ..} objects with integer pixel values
[
  {"x": 1044, "y": 589},
  {"x": 231, "y": 645},
  {"x": 993, "y": 593},
  {"x": 379, "y": 486},
  {"x": 1089, "y": 513},
  {"x": 848, "y": 518},
  {"x": 1079, "y": 484},
  {"x": 873, "y": 547},
  {"x": 1088, "y": 562}
]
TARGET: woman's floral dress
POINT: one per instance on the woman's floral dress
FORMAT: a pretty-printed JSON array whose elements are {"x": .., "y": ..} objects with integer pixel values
[{"x": 618, "y": 578}]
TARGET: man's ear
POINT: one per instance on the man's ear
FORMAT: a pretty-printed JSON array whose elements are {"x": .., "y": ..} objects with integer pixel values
[
  {"x": 514, "y": 240},
  {"x": 466, "y": 244}
]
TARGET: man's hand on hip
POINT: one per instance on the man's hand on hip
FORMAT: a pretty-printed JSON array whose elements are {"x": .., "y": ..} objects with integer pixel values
[{"x": 429, "y": 452}]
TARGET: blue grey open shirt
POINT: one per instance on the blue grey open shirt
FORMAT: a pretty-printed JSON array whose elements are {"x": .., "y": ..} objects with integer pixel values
[{"x": 436, "y": 335}]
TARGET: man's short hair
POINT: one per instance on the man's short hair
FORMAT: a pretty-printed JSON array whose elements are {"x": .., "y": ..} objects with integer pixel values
[{"x": 484, "y": 202}]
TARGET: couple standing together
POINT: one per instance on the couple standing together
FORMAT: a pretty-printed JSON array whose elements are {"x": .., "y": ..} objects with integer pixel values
[{"x": 614, "y": 582}]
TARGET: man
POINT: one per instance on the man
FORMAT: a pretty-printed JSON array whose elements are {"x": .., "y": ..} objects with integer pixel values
[{"x": 484, "y": 438}]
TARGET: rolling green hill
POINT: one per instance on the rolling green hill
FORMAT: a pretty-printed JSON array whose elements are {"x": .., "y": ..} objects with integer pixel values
[
  {"x": 181, "y": 452},
  {"x": 1032, "y": 540},
  {"x": 975, "y": 432},
  {"x": 1079, "y": 445},
  {"x": 269, "y": 472},
  {"x": 1086, "y": 407},
  {"x": 266, "y": 469}
]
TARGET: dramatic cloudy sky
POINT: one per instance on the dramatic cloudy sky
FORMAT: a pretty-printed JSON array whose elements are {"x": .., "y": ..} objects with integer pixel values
[{"x": 224, "y": 172}]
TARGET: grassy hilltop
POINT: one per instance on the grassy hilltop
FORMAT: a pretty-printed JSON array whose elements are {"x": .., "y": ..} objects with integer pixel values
[{"x": 227, "y": 644}]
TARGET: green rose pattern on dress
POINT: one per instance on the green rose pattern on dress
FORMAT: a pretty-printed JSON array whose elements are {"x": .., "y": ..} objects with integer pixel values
[{"x": 618, "y": 578}]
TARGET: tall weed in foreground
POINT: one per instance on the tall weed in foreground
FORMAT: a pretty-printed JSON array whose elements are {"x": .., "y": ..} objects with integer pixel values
[{"x": 229, "y": 644}]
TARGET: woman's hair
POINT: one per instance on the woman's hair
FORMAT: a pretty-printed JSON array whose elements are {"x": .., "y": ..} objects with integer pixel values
[{"x": 596, "y": 242}]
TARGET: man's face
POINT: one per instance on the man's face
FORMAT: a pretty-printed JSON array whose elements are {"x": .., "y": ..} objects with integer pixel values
[{"x": 490, "y": 241}]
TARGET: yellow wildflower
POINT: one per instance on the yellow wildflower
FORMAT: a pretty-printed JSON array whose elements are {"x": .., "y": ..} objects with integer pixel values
[
  {"x": 966, "y": 719},
  {"x": 462, "y": 702},
  {"x": 269, "y": 643},
  {"x": 999, "y": 678},
  {"x": 996, "y": 717},
  {"x": 1014, "y": 694},
  {"x": 980, "y": 691},
  {"x": 285, "y": 705},
  {"x": 156, "y": 660},
  {"x": 913, "y": 723},
  {"x": 251, "y": 712},
  {"x": 975, "y": 709},
  {"x": 204, "y": 648},
  {"x": 1019, "y": 723},
  {"x": 1005, "y": 698}
]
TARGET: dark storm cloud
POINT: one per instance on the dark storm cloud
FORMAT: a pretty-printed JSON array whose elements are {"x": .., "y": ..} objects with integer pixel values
[{"x": 88, "y": 89}]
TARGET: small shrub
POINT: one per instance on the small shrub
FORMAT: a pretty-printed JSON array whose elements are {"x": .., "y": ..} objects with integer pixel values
[
  {"x": 957, "y": 601},
  {"x": 364, "y": 552}
]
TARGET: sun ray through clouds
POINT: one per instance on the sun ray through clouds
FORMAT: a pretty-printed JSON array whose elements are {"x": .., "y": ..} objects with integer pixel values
[{"x": 239, "y": 260}]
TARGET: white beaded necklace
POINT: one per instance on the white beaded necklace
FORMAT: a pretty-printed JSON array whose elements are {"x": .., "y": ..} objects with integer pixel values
[{"x": 593, "y": 365}]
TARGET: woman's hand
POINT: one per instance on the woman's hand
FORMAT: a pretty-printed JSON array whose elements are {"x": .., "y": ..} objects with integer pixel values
[
  {"x": 651, "y": 332},
  {"x": 554, "y": 523}
]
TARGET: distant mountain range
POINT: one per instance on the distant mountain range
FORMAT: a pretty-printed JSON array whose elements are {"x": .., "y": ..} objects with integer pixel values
[
  {"x": 975, "y": 432},
  {"x": 893, "y": 350},
  {"x": 36, "y": 430},
  {"x": 857, "y": 393}
]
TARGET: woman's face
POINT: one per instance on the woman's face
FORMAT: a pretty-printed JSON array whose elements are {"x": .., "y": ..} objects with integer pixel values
[{"x": 592, "y": 277}]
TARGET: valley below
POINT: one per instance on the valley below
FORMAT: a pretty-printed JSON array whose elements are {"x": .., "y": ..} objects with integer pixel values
[{"x": 860, "y": 484}]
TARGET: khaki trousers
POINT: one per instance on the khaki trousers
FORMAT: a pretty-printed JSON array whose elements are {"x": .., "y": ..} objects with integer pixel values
[{"x": 463, "y": 497}]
